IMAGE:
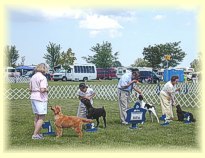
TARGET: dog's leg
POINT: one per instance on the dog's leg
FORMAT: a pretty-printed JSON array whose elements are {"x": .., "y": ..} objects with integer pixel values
[
  {"x": 97, "y": 119},
  {"x": 104, "y": 120},
  {"x": 59, "y": 132},
  {"x": 150, "y": 114},
  {"x": 155, "y": 114},
  {"x": 78, "y": 130}
]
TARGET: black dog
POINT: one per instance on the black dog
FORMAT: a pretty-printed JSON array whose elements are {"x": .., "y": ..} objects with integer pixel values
[
  {"x": 181, "y": 114},
  {"x": 94, "y": 113}
]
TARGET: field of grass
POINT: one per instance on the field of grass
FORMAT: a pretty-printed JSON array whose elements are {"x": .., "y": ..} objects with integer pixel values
[
  {"x": 55, "y": 83},
  {"x": 116, "y": 137}
]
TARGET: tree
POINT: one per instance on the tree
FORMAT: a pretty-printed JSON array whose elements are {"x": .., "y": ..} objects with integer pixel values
[
  {"x": 196, "y": 63},
  {"x": 67, "y": 58},
  {"x": 116, "y": 64},
  {"x": 22, "y": 60},
  {"x": 53, "y": 54},
  {"x": 139, "y": 62},
  {"x": 11, "y": 55},
  {"x": 154, "y": 55},
  {"x": 103, "y": 57}
]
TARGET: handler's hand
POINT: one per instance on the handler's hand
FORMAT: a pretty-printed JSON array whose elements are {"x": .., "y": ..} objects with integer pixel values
[
  {"x": 178, "y": 89},
  {"x": 134, "y": 81},
  {"x": 88, "y": 98}
]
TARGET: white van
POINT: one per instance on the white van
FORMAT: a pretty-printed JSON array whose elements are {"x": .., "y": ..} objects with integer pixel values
[
  {"x": 10, "y": 71},
  {"x": 76, "y": 72}
]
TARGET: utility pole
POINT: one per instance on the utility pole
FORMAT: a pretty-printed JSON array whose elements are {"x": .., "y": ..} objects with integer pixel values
[{"x": 167, "y": 58}]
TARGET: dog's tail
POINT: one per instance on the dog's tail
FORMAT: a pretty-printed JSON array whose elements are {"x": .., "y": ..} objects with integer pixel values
[{"x": 86, "y": 120}]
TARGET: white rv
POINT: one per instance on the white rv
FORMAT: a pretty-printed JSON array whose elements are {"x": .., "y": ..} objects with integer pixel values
[
  {"x": 121, "y": 71},
  {"x": 76, "y": 72}
]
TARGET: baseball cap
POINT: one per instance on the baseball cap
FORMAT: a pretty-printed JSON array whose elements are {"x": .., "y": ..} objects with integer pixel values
[{"x": 82, "y": 85}]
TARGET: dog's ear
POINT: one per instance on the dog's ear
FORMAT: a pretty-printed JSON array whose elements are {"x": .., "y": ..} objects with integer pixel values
[
  {"x": 58, "y": 108},
  {"x": 51, "y": 108},
  {"x": 140, "y": 97}
]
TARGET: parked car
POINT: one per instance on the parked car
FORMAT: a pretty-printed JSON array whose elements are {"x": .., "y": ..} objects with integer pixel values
[
  {"x": 28, "y": 74},
  {"x": 189, "y": 76},
  {"x": 148, "y": 77},
  {"x": 160, "y": 75}
]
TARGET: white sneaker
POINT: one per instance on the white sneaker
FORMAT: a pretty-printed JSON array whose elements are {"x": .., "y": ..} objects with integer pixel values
[
  {"x": 168, "y": 120},
  {"x": 125, "y": 123},
  {"x": 41, "y": 135},
  {"x": 37, "y": 137}
]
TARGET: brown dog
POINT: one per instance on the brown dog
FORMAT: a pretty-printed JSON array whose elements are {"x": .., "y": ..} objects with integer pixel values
[{"x": 63, "y": 121}]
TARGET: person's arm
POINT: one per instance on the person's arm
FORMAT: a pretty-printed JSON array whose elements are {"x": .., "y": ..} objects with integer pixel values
[
  {"x": 126, "y": 86},
  {"x": 87, "y": 97},
  {"x": 178, "y": 89},
  {"x": 80, "y": 97},
  {"x": 137, "y": 90},
  {"x": 44, "y": 85},
  {"x": 91, "y": 96}
]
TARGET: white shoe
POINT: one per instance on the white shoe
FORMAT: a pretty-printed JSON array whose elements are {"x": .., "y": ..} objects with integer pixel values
[
  {"x": 125, "y": 123},
  {"x": 41, "y": 135},
  {"x": 37, "y": 137}
]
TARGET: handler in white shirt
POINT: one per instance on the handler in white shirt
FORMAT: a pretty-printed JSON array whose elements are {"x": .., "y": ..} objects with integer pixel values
[
  {"x": 84, "y": 92},
  {"x": 167, "y": 97},
  {"x": 125, "y": 86}
]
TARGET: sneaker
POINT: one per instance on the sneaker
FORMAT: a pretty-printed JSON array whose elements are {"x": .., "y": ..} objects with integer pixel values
[
  {"x": 125, "y": 123},
  {"x": 41, "y": 135},
  {"x": 168, "y": 120},
  {"x": 37, "y": 137}
]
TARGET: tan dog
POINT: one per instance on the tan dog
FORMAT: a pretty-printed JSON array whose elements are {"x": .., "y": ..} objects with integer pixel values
[{"x": 63, "y": 121}]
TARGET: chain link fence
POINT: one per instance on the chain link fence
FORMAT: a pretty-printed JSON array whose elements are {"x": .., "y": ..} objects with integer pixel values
[{"x": 190, "y": 95}]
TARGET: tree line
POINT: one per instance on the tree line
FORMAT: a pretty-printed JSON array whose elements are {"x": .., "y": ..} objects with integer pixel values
[{"x": 104, "y": 57}]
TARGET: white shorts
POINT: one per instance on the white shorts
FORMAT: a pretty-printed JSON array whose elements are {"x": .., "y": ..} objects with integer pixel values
[{"x": 39, "y": 107}]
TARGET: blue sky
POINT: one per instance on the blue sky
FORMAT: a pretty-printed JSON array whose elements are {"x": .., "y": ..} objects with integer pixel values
[{"x": 128, "y": 30}]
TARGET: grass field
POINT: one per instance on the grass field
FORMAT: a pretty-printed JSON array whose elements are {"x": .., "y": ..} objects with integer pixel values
[
  {"x": 55, "y": 83},
  {"x": 116, "y": 137}
]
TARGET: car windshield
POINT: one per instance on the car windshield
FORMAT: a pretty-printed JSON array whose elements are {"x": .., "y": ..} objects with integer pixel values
[
  {"x": 60, "y": 71},
  {"x": 29, "y": 72}
]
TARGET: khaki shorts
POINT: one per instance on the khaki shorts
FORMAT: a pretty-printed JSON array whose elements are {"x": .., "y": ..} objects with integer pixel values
[{"x": 39, "y": 107}]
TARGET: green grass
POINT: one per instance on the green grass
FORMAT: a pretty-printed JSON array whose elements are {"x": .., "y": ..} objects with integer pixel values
[
  {"x": 56, "y": 83},
  {"x": 116, "y": 137}
]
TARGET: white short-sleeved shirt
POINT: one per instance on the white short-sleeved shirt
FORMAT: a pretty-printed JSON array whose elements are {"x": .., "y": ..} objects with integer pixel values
[
  {"x": 88, "y": 93},
  {"x": 168, "y": 88},
  {"x": 37, "y": 81},
  {"x": 125, "y": 80}
]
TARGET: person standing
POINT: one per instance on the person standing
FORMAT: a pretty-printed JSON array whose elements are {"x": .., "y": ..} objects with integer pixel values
[
  {"x": 125, "y": 87},
  {"x": 38, "y": 87},
  {"x": 167, "y": 97},
  {"x": 84, "y": 92}
]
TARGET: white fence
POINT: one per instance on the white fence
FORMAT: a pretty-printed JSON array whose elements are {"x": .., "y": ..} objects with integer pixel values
[
  {"x": 17, "y": 79},
  {"x": 109, "y": 92}
]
